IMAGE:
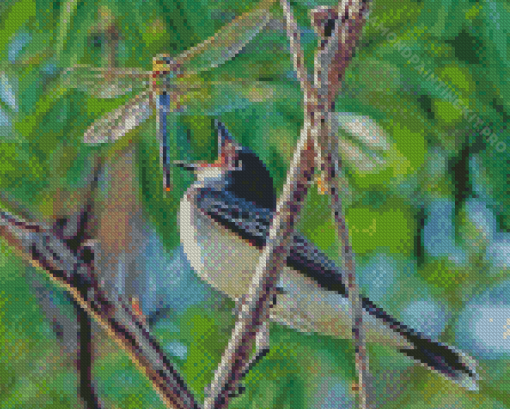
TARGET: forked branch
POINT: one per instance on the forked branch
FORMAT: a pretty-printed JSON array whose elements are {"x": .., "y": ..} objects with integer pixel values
[
  {"x": 314, "y": 148},
  {"x": 73, "y": 270}
]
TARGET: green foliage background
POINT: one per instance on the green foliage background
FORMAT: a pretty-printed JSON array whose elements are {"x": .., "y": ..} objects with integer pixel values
[{"x": 42, "y": 154}]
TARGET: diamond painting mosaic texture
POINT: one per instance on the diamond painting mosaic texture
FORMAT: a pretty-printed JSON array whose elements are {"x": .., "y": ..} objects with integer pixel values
[{"x": 144, "y": 146}]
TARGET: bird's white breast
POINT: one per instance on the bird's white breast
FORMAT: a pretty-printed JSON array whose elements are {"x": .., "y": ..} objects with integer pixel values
[{"x": 225, "y": 261}]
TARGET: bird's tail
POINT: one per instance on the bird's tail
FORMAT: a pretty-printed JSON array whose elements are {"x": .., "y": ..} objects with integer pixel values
[{"x": 448, "y": 361}]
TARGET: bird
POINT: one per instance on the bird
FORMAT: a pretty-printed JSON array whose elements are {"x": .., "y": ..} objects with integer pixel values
[{"x": 224, "y": 220}]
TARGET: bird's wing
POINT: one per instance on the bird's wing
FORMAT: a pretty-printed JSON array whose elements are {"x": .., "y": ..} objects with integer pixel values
[{"x": 252, "y": 224}]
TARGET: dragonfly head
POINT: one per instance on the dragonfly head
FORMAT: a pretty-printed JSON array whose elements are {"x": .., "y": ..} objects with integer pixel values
[
  {"x": 164, "y": 64},
  {"x": 164, "y": 70}
]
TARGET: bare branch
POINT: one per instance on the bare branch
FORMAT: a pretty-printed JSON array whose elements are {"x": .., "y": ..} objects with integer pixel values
[
  {"x": 73, "y": 232},
  {"x": 256, "y": 308},
  {"x": 332, "y": 165},
  {"x": 314, "y": 135},
  {"x": 39, "y": 245},
  {"x": 331, "y": 60},
  {"x": 84, "y": 362},
  {"x": 309, "y": 91},
  {"x": 336, "y": 48},
  {"x": 297, "y": 52}
]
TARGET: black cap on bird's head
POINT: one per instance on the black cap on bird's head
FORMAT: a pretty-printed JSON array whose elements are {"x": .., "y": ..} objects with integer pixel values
[{"x": 246, "y": 176}]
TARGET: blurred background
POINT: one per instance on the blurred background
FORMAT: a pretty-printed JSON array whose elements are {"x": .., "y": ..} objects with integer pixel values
[{"x": 429, "y": 220}]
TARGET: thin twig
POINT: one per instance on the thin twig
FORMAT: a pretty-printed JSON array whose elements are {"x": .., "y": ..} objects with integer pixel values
[
  {"x": 297, "y": 52},
  {"x": 85, "y": 360},
  {"x": 337, "y": 51},
  {"x": 332, "y": 58},
  {"x": 331, "y": 172},
  {"x": 256, "y": 307},
  {"x": 76, "y": 232}
]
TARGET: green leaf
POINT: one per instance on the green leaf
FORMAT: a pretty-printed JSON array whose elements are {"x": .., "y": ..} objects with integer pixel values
[
  {"x": 14, "y": 17},
  {"x": 391, "y": 226},
  {"x": 494, "y": 31}
]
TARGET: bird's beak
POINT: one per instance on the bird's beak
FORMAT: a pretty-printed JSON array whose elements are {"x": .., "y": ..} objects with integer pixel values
[
  {"x": 226, "y": 149},
  {"x": 199, "y": 165},
  {"x": 185, "y": 165}
]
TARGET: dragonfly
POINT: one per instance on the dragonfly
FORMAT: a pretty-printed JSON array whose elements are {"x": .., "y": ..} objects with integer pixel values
[{"x": 173, "y": 86}]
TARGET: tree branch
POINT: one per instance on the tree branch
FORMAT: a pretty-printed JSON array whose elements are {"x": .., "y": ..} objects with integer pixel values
[
  {"x": 315, "y": 135},
  {"x": 334, "y": 53},
  {"x": 297, "y": 52},
  {"x": 85, "y": 359},
  {"x": 255, "y": 310},
  {"x": 39, "y": 245},
  {"x": 72, "y": 231}
]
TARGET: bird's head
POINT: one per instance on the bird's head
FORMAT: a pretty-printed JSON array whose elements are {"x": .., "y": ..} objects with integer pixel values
[{"x": 237, "y": 170}]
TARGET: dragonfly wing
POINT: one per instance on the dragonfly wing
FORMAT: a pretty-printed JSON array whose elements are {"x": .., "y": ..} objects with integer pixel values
[
  {"x": 116, "y": 124},
  {"x": 217, "y": 97},
  {"x": 226, "y": 43},
  {"x": 105, "y": 82}
]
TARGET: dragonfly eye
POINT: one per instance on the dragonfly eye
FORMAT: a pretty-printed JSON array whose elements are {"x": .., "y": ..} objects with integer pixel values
[{"x": 162, "y": 60}]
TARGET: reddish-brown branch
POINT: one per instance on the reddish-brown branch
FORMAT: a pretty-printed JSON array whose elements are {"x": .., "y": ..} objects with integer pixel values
[{"x": 314, "y": 136}]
